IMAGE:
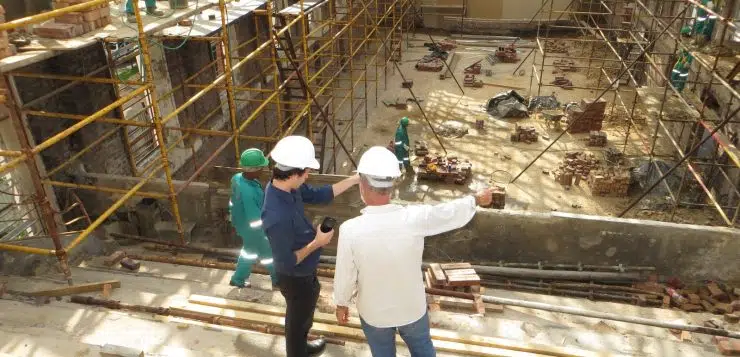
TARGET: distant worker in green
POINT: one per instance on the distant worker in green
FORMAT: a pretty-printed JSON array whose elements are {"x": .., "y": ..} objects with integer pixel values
[
  {"x": 401, "y": 144},
  {"x": 680, "y": 72},
  {"x": 247, "y": 197},
  {"x": 151, "y": 9}
]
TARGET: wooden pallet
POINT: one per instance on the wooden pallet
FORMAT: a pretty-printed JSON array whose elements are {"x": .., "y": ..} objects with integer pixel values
[{"x": 454, "y": 277}]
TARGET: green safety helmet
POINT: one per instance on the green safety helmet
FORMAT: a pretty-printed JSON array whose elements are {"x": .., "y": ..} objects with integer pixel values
[
  {"x": 253, "y": 158},
  {"x": 404, "y": 121}
]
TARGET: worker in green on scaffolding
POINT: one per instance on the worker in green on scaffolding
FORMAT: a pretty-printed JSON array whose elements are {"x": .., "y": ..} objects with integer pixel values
[
  {"x": 151, "y": 9},
  {"x": 704, "y": 21},
  {"x": 680, "y": 72},
  {"x": 247, "y": 197}
]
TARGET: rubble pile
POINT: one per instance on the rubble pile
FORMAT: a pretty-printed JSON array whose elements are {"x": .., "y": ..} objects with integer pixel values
[
  {"x": 597, "y": 138},
  {"x": 565, "y": 65},
  {"x": 74, "y": 24},
  {"x": 562, "y": 82},
  {"x": 613, "y": 156},
  {"x": 525, "y": 134},
  {"x": 609, "y": 182},
  {"x": 576, "y": 167},
  {"x": 452, "y": 129},
  {"x": 499, "y": 197},
  {"x": 588, "y": 116},
  {"x": 556, "y": 46},
  {"x": 543, "y": 102}
]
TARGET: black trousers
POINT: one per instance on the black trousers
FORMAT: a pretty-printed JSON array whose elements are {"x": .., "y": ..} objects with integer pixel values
[{"x": 301, "y": 294}]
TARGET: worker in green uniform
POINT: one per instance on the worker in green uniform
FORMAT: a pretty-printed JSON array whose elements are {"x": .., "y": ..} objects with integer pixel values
[
  {"x": 151, "y": 9},
  {"x": 401, "y": 144},
  {"x": 704, "y": 22},
  {"x": 680, "y": 72},
  {"x": 247, "y": 197}
]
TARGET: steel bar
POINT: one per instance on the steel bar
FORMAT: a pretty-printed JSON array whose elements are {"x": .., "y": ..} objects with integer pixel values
[
  {"x": 103, "y": 189},
  {"x": 447, "y": 66},
  {"x": 191, "y": 315},
  {"x": 616, "y": 80},
  {"x": 575, "y": 293},
  {"x": 226, "y": 49},
  {"x": 51, "y": 226},
  {"x": 312, "y": 95},
  {"x": 604, "y": 315},
  {"x": 157, "y": 118},
  {"x": 676, "y": 165}
]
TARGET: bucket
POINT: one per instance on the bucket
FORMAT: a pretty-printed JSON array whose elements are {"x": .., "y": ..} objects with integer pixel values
[{"x": 178, "y": 4}]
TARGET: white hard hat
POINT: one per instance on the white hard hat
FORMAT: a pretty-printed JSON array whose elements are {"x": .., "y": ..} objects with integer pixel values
[
  {"x": 380, "y": 166},
  {"x": 295, "y": 152}
]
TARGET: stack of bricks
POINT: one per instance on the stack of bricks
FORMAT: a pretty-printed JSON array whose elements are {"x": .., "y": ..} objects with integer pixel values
[
  {"x": 609, "y": 183},
  {"x": 455, "y": 277},
  {"x": 526, "y": 134},
  {"x": 576, "y": 167},
  {"x": 74, "y": 24},
  {"x": 588, "y": 117},
  {"x": 597, "y": 138},
  {"x": 5, "y": 46},
  {"x": 498, "y": 200}
]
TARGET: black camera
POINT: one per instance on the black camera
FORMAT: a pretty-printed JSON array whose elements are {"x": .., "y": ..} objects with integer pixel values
[{"x": 328, "y": 224}]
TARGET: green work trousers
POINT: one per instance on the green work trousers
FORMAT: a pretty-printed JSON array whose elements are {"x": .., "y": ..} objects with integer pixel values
[
  {"x": 254, "y": 249},
  {"x": 130, "y": 6}
]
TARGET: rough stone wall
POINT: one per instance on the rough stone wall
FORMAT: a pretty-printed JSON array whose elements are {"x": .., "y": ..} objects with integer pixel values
[{"x": 84, "y": 99}]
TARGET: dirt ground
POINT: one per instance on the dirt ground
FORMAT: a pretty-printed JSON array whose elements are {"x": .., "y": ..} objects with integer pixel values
[{"x": 488, "y": 150}]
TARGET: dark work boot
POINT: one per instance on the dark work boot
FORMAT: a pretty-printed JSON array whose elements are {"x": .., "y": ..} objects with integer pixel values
[
  {"x": 152, "y": 11},
  {"x": 316, "y": 347}
]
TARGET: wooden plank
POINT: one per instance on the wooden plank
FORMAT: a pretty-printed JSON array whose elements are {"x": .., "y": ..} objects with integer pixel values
[
  {"x": 438, "y": 275},
  {"x": 75, "y": 289},
  {"x": 457, "y": 272},
  {"x": 463, "y": 280},
  {"x": 450, "y": 266},
  {"x": 356, "y": 334},
  {"x": 437, "y": 334},
  {"x": 464, "y": 304}
]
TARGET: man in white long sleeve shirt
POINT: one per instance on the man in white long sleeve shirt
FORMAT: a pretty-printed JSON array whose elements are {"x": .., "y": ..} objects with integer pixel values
[{"x": 379, "y": 255}]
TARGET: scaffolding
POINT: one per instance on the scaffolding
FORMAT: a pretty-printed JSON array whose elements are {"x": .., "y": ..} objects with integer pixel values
[
  {"x": 628, "y": 49},
  {"x": 314, "y": 64}
]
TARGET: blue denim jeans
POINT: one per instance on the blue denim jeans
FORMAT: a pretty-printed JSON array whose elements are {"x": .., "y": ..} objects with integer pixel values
[{"x": 382, "y": 341}]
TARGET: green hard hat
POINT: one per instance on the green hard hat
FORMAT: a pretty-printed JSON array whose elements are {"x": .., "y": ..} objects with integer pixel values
[
  {"x": 404, "y": 121},
  {"x": 253, "y": 158}
]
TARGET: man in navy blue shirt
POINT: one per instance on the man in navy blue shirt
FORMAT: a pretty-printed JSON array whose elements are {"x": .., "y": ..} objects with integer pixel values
[{"x": 296, "y": 244}]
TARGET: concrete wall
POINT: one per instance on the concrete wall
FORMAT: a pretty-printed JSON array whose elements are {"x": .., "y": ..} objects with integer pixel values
[
  {"x": 690, "y": 252},
  {"x": 503, "y": 11}
]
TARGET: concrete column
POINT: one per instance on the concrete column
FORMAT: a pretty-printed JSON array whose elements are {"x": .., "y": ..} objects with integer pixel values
[{"x": 163, "y": 86}]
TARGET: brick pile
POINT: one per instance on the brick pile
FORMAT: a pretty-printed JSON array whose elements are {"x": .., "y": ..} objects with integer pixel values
[
  {"x": 613, "y": 156},
  {"x": 609, "y": 183},
  {"x": 74, "y": 24},
  {"x": 576, "y": 167},
  {"x": 499, "y": 197},
  {"x": 597, "y": 138},
  {"x": 526, "y": 134},
  {"x": 6, "y": 49},
  {"x": 589, "y": 116}
]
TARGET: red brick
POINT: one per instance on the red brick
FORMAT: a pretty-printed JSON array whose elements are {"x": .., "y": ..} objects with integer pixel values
[
  {"x": 722, "y": 308},
  {"x": 729, "y": 347},
  {"x": 716, "y": 292},
  {"x": 91, "y": 16},
  {"x": 55, "y": 30},
  {"x": 105, "y": 11},
  {"x": 114, "y": 258},
  {"x": 70, "y": 18}
]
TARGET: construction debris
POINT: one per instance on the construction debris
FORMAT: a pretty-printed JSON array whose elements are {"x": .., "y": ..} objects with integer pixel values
[
  {"x": 452, "y": 129},
  {"x": 480, "y": 124},
  {"x": 498, "y": 197},
  {"x": 130, "y": 264},
  {"x": 507, "y": 104},
  {"x": 454, "y": 277},
  {"x": 429, "y": 63},
  {"x": 597, "y": 138},
  {"x": 400, "y": 103},
  {"x": 407, "y": 84},
  {"x": 446, "y": 44},
  {"x": 420, "y": 148},
  {"x": 448, "y": 169},
  {"x": 586, "y": 117},
  {"x": 507, "y": 54},
  {"x": 613, "y": 156},
  {"x": 543, "y": 102},
  {"x": 609, "y": 182},
  {"x": 576, "y": 167},
  {"x": 473, "y": 68},
  {"x": 489, "y": 73},
  {"x": 562, "y": 82},
  {"x": 470, "y": 81},
  {"x": 556, "y": 46},
  {"x": 565, "y": 65},
  {"x": 491, "y": 58},
  {"x": 74, "y": 24},
  {"x": 524, "y": 134}
]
